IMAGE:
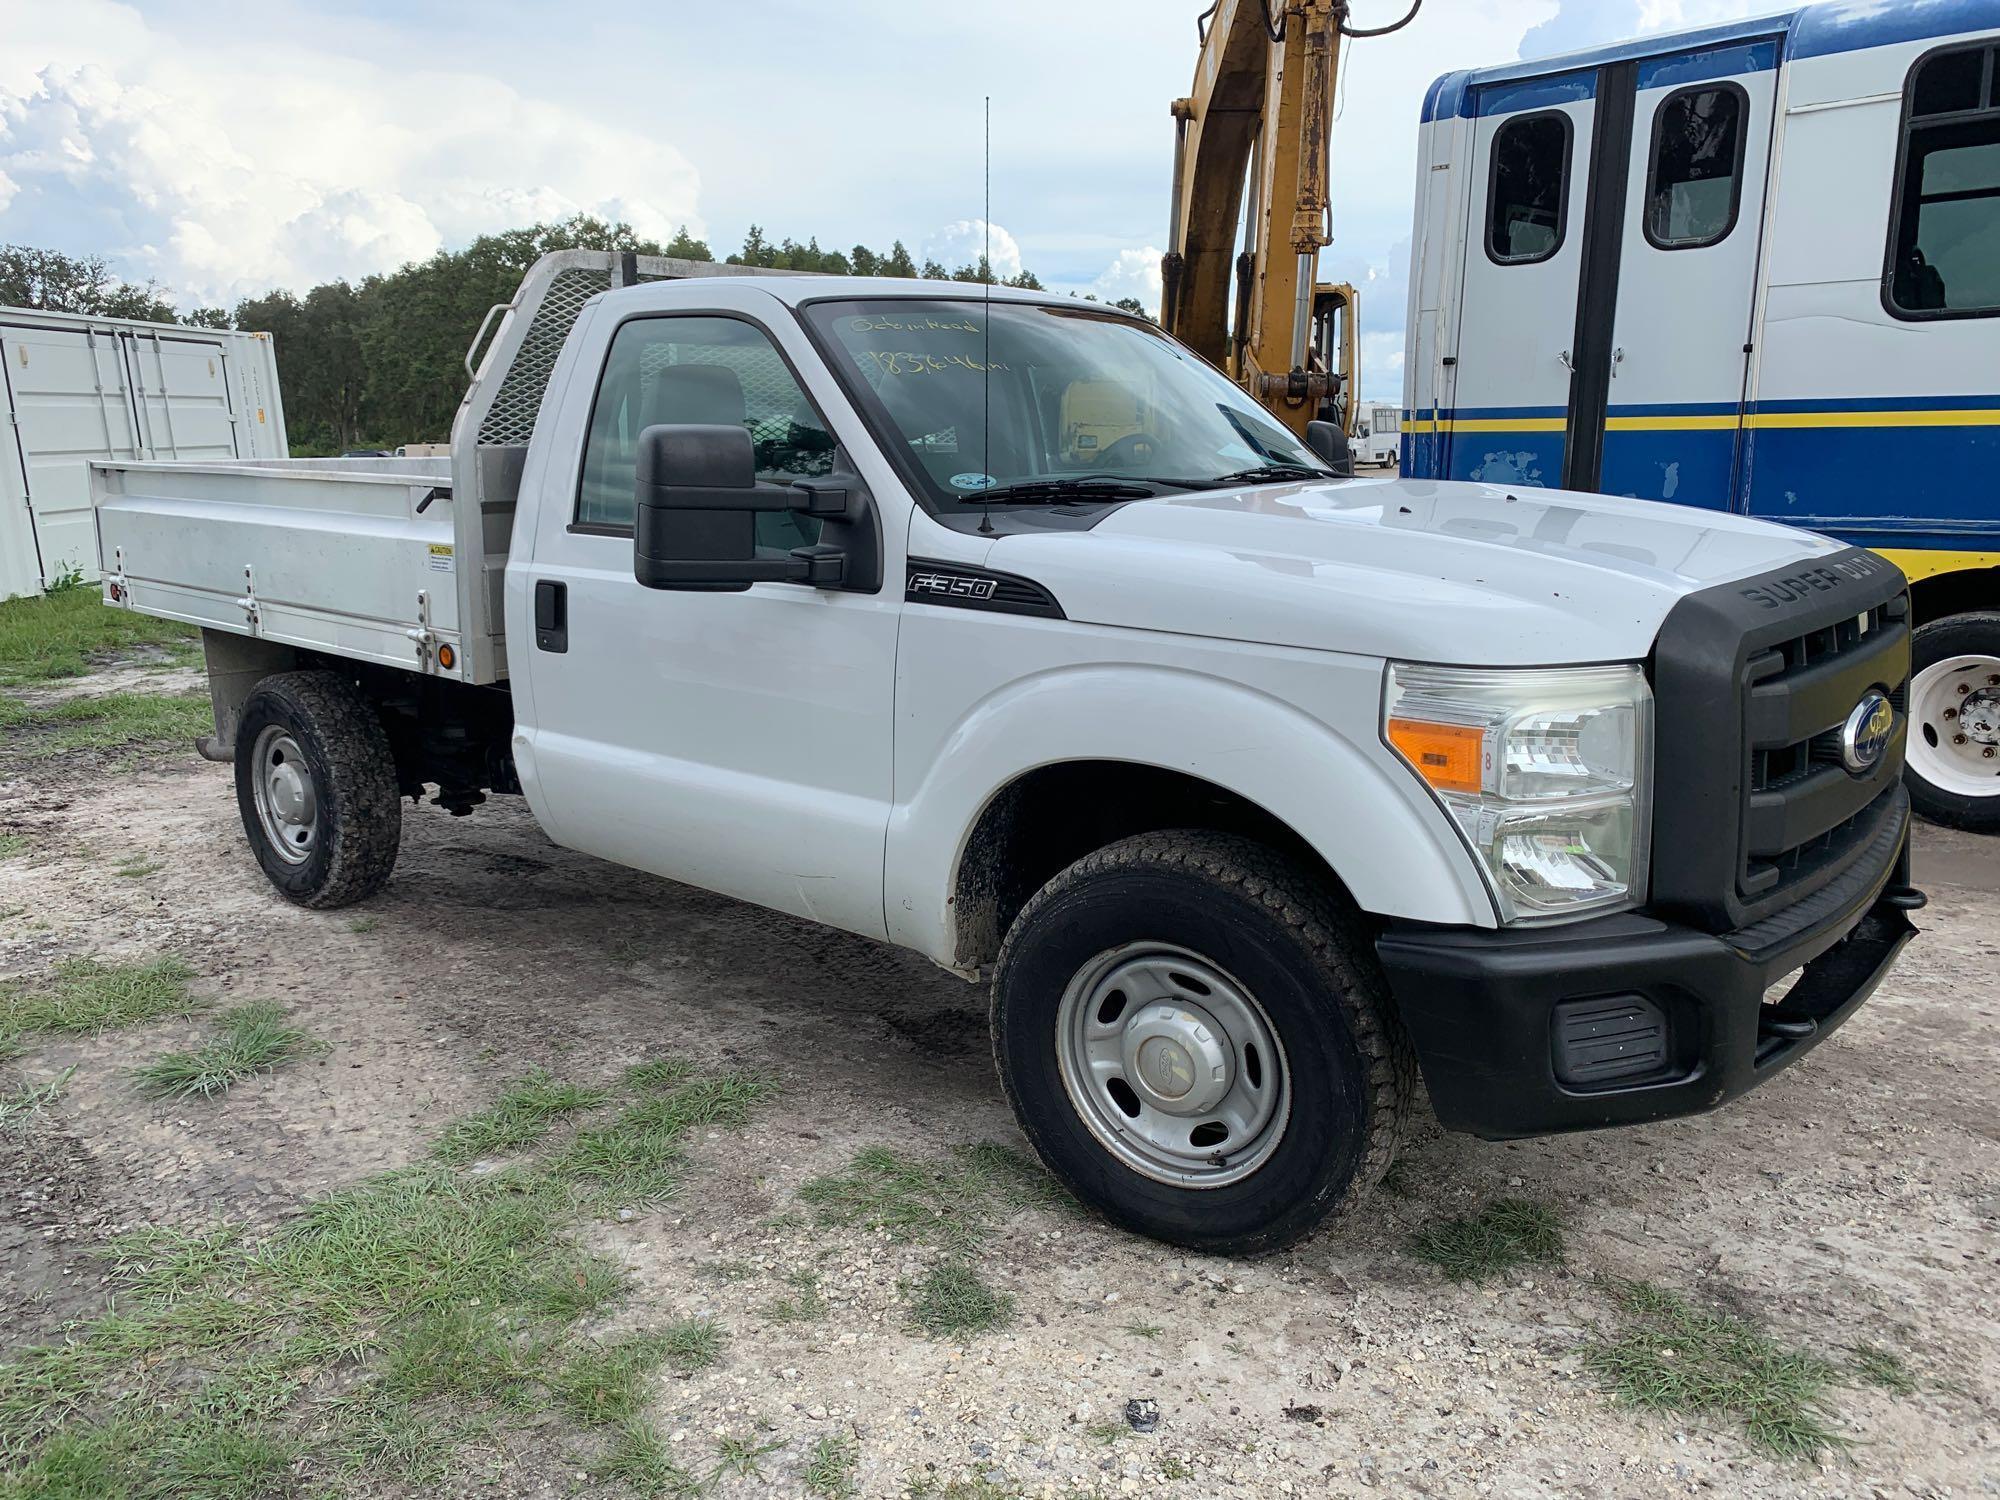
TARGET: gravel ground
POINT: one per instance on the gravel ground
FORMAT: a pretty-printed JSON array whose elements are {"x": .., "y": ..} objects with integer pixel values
[{"x": 1852, "y": 1200}]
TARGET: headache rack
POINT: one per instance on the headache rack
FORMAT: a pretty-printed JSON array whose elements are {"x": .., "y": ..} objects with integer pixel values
[{"x": 496, "y": 420}]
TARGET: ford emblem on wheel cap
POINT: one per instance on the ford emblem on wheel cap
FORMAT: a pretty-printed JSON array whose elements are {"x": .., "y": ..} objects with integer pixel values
[{"x": 1866, "y": 733}]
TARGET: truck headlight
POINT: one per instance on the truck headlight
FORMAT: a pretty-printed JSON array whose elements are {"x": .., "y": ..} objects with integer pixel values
[{"x": 1547, "y": 772}]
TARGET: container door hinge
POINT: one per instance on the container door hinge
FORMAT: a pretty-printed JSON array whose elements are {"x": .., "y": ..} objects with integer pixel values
[
  {"x": 421, "y": 635},
  {"x": 116, "y": 590},
  {"x": 248, "y": 603}
]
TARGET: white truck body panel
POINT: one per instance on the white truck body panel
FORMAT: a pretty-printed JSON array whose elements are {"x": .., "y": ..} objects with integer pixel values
[
  {"x": 79, "y": 388},
  {"x": 327, "y": 554}
]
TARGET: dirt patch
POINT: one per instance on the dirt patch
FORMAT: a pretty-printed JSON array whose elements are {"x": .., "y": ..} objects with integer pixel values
[{"x": 1852, "y": 1201}]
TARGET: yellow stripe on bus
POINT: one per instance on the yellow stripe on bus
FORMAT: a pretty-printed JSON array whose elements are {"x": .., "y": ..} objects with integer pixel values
[{"x": 1723, "y": 422}]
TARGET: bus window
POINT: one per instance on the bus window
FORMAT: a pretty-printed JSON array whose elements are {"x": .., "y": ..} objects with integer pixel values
[
  {"x": 1528, "y": 196},
  {"x": 1944, "y": 254},
  {"x": 1696, "y": 180}
]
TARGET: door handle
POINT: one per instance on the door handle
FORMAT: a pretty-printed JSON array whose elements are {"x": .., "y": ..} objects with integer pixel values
[
  {"x": 551, "y": 616},
  {"x": 1617, "y": 359},
  {"x": 1566, "y": 362}
]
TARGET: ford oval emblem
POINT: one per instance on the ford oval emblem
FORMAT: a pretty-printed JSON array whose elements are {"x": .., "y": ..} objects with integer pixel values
[{"x": 1865, "y": 735}]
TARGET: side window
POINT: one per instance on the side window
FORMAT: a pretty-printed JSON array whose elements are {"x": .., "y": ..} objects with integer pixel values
[
  {"x": 1944, "y": 243},
  {"x": 1695, "y": 184},
  {"x": 699, "y": 369},
  {"x": 1528, "y": 195}
]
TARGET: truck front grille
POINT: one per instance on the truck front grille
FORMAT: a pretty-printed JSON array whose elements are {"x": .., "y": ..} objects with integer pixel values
[{"x": 1753, "y": 682}]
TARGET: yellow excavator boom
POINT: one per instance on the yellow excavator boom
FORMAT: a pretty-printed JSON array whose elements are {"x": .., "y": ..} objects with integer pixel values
[{"x": 1251, "y": 162}]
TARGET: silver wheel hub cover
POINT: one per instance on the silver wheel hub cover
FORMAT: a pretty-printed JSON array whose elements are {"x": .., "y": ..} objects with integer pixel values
[
  {"x": 1176, "y": 1058},
  {"x": 1173, "y": 1065},
  {"x": 287, "y": 804}
]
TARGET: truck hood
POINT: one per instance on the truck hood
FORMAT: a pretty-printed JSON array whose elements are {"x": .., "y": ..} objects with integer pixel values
[{"x": 1472, "y": 573}]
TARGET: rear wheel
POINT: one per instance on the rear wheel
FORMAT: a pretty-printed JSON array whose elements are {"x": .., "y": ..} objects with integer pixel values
[
  {"x": 1197, "y": 1040},
  {"x": 1953, "y": 761},
  {"x": 316, "y": 786}
]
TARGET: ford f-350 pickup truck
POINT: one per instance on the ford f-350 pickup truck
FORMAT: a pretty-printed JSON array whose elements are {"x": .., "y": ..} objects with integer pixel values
[{"x": 999, "y": 626}]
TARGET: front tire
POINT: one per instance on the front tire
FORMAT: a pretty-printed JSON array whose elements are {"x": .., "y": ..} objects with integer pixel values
[
  {"x": 1952, "y": 764},
  {"x": 317, "y": 789},
  {"x": 1197, "y": 1040}
]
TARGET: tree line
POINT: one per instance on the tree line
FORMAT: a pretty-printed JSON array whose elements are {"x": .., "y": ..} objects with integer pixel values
[{"x": 379, "y": 363}]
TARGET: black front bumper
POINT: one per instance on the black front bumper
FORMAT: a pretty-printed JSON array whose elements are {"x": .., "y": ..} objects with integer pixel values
[{"x": 1624, "y": 1019}]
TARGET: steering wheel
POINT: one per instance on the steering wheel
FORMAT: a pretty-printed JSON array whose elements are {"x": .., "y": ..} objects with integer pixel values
[{"x": 1135, "y": 450}]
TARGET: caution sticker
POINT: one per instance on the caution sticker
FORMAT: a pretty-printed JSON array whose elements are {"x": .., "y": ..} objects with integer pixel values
[{"x": 441, "y": 557}]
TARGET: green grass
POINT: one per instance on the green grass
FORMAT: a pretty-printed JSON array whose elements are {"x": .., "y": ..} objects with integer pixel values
[
  {"x": 20, "y": 1105},
  {"x": 84, "y": 996},
  {"x": 1666, "y": 1355},
  {"x": 66, "y": 633},
  {"x": 1506, "y": 1233},
  {"x": 579, "y": 1289},
  {"x": 830, "y": 1468},
  {"x": 806, "y": 1303},
  {"x": 364, "y": 924},
  {"x": 12, "y": 846},
  {"x": 741, "y": 1457},
  {"x": 954, "y": 1302},
  {"x": 606, "y": 1383},
  {"x": 138, "y": 869},
  {"x": 1881, "y": 1368},
  {"x": 385, "y": 1334},
  {"x": 656, "y": 1074},
  {"x": 1144, "y": 1330},
  {"x": 640, "y": 1460},
  {"x": 250, "y": 1039},
  {"x": 526, "y": 1112},
  {"x": 954, "y": 1203},
  {"x": 637, "y": 1158},
  {"x": 113, "y": 721}
]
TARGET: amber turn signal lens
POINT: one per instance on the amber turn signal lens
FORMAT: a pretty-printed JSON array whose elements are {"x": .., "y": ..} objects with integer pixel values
[
  {"x": 1448, "y": 756},
  {"x": 447, "y": 658}
]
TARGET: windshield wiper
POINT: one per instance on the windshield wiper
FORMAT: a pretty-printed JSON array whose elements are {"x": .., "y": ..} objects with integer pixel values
[
  {"x": 1271, "y": 474},
  {"x": 1055, "y": 491}
]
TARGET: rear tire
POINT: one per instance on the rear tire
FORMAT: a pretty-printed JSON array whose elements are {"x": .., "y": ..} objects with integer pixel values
[
  {"x": 317, "y": 789},
  {"x": 1955, "y": 671},
  {"x": 1262, "y": 978}
]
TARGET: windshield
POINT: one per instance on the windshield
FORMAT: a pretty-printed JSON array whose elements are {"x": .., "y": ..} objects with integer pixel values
[{"x": 984, "y": 397}]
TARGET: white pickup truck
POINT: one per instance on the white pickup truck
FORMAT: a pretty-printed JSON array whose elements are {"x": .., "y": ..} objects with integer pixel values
[{"x": 999, "y": 626}]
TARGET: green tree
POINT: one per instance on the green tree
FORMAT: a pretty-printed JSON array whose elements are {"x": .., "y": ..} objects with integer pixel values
[
  {"x": 321, "y": 368},
  {"x": 55, "y": 282}
]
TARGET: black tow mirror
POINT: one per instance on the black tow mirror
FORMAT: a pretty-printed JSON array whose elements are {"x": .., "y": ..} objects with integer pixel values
[
  {"x": 1330, "y": 443},
  {"x": 695, "y": 522}
]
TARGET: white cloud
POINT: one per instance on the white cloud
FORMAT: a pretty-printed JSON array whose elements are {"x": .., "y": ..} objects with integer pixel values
[
  {"x": 963, "y": 241},
  {"x": 225, "y": 169},
  {"x": 1135, "y": 273}
]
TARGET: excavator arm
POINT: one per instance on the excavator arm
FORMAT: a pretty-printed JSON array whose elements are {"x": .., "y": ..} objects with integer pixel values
[{"x": 1251, "y": 162}]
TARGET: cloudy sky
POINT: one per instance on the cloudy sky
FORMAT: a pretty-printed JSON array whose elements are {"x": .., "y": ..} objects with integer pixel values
[{"x": 222, "y": 147}]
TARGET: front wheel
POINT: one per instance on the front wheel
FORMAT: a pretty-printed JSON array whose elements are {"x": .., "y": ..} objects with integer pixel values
[
  {"x": 1953, "y": 761},
  {"x": 1197, "y": 1040},
  {"x": 316, "y": 786}
]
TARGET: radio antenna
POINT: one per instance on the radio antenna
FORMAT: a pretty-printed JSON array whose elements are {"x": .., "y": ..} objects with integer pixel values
[{"x": 986, "y": 355}]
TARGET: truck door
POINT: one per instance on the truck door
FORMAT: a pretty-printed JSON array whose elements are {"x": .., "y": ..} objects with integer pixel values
[
  {"x": 1671, "y": 384},
  {"x": 70, "y": 405},
  {"x": 738, "y": 741},
  {"x": 1524, "y": 251}
]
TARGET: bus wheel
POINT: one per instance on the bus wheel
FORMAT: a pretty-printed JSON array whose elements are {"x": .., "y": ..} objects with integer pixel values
[{"x": 1953, "y": 765}]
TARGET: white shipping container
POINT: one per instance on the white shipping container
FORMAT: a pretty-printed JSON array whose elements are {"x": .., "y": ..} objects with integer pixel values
[{"x": 78, "y": 387}]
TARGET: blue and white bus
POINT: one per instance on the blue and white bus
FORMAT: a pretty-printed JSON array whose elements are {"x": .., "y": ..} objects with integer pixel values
[{"x": 1754, "y": 267}]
